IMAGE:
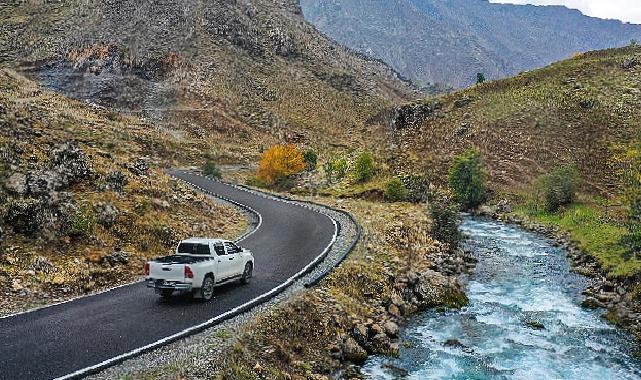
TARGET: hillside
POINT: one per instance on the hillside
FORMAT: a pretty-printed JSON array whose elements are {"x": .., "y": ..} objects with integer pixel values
[
  {"x": 581, "y": 111},
  {"x": 203, "y": 63},
  {"x": 448, "y": 42},
  {"x": 84, "y": 197}
]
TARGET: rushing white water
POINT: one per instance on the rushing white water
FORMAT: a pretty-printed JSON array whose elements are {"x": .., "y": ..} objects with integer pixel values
[{"x": 524, "y": 321}]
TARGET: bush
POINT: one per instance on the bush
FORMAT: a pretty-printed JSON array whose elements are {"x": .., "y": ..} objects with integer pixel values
[
  {"x": 211, "y": 170},
  {"x": 467, "y": 179},
  {"x": 444, "y": 213},
  {"x": 82, "y": 223},
  {"x": 395, "y": 190},
  {"x": 364, "y": 167},
  {"x": 558, "y": 188},
  {"x": 311, "y": 159},
  {"x": 336, "y": 169},
  {"x": 417, "y": 187},
  {"x": 279, "y": 163}
]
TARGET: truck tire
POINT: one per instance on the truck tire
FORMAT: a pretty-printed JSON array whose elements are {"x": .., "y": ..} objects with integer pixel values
[
  {"x": 207, "y": 289},
  {"x": 247, "y": 273},
  {"x": 166, "y": 293}
]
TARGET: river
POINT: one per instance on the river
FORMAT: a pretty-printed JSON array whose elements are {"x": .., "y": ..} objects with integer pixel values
[{"x": 524, "y": 320}]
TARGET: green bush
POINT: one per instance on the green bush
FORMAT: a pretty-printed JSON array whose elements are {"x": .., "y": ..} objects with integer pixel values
[
  {"x": 311, "y": 159},
  {"x": 557, "y": 188},
  {"x": 467, "y": 179},
  {"x": 444, "y": 213},
  {"x": 211, "y": 170},
  {"x": 417, "y": 187},
  {"x": 364, "y": 167},
  {"x": 82, "y": 223},
  {"x": 336, "y": 169},
  {"x": 395, "y": 190}
]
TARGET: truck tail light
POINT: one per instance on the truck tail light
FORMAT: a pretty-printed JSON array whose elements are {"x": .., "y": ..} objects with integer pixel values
[
  {"x": 188, "y": 272},
  {"x": 146, "y": 269}
]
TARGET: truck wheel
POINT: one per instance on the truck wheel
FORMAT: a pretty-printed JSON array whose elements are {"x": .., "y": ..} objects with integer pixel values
[
  {"x": 247, "y": 273},
  {"x": 207, "y": 290},
  {"x": 166, "y": 293}
]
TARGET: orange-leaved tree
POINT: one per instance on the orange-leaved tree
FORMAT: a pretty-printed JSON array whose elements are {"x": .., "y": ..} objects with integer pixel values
[{"x": 279, "y": 163}]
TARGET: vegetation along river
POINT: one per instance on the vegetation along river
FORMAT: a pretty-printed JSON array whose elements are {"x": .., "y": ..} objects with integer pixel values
[{"x": 524, "y": 320}]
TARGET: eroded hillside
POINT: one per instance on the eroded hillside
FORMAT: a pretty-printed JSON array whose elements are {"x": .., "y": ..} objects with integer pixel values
[{"x": 205, "y": 63}]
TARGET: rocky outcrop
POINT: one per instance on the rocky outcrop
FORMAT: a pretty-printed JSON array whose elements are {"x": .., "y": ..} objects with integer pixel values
[
  {"x": 39, "y": 202},
  {"x": 412, "y": 293}
]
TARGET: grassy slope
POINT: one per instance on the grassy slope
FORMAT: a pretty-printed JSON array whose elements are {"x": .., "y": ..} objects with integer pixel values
[
  {"x": 525, "y": 125},
  {"x": 152, "y": 210},
  {"x": 582, "y": 111}
]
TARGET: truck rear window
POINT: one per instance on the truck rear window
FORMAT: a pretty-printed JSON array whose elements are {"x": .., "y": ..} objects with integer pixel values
[{"x": 193, "y": 249}]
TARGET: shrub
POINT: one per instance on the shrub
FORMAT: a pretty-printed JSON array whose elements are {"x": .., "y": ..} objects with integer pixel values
[
  {"x": 211, "y": 170},
  {"x": 467, "y": 179},
  {"x": 557, "y": 188},
  {"x": 417, "y": 187},
  {"x": 279, "y": 163},
  {"x": 364, "y": 167},
  {"x": 480, "y": 78},
  {"x": 336, "y": 169},
  {"x": 311, "y": 159},
  {"x": 395, "y": 190},
  {"x": 444, "y": 213},
  {"x": 82, "y": 223}
]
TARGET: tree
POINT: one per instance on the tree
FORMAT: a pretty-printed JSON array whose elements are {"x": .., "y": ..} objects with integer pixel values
[
  {"x": 365, "y": 167},
  {"x": 467, "y": 179},
  {"x": 480, "y": 78},
  {"x": 211, "y": 170},
  {"x": 558, "y": 188},
  {"x": 279, "y": 163},
  {"x": 311, "y": 159},
  {"x": 444, "y": 213}
]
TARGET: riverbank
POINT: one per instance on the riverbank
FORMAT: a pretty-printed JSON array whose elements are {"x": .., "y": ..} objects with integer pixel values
[
  {"x": 328, "y": 331},
  {"x": 524, "y": 320},
  {"x": 614, "y": 289}
]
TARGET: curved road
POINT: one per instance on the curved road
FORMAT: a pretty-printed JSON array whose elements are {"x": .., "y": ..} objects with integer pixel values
[{"x": 59, "y": 340}]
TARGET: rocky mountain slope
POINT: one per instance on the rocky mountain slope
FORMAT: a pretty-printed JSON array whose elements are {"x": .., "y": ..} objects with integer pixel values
[
  {"x": 84, "y": 199},
  {"x": 198, "y": 62},
  {"x": 583, "y": 111},
  {"x": 448, "y": 42}
]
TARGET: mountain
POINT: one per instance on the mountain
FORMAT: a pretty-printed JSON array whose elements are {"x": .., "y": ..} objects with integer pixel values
[
  {"x": 199, "y": 62},
  {"x": 447, "y": 42},
  {"x": 582, "y": 111}
]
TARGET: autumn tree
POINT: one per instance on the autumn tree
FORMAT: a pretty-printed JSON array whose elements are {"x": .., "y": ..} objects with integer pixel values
[{"x": 279, "y": 163}]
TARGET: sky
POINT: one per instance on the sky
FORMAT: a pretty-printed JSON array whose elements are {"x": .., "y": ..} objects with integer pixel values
[{"x": 624, "y": 10}]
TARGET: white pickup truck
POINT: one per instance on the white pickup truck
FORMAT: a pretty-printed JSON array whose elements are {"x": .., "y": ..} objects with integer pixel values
[{"x": 198, "y": 266}]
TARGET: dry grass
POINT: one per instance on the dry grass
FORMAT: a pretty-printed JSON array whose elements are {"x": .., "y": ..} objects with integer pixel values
[{"x": 154, "y": 210}]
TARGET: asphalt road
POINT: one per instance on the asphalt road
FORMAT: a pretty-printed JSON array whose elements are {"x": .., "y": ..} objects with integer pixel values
[{"x": 61, "y": 339}]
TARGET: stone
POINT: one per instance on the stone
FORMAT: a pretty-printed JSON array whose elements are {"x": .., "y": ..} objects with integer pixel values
[
  {"x": 353, "y": 352},
  {"x": 139, "y": 167},
  {"x": 359, "y": 332},
  {"x": 394, "y": 310},
  {"x": 106, "y": 213},
  {"x": 17, "y": 183},
  {"x": 391, "y": 329}
]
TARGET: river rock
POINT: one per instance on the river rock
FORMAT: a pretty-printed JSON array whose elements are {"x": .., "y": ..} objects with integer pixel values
[
  {"x": 353, "y": 352},
  {"x": 391, "y": 329}
]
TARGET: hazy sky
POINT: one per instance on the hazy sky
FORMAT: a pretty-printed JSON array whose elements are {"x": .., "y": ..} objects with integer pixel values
[{"x": 626, "y": 10}]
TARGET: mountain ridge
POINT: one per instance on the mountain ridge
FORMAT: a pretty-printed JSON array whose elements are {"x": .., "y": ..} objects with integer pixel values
[{"x": 446, "y": 43}]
